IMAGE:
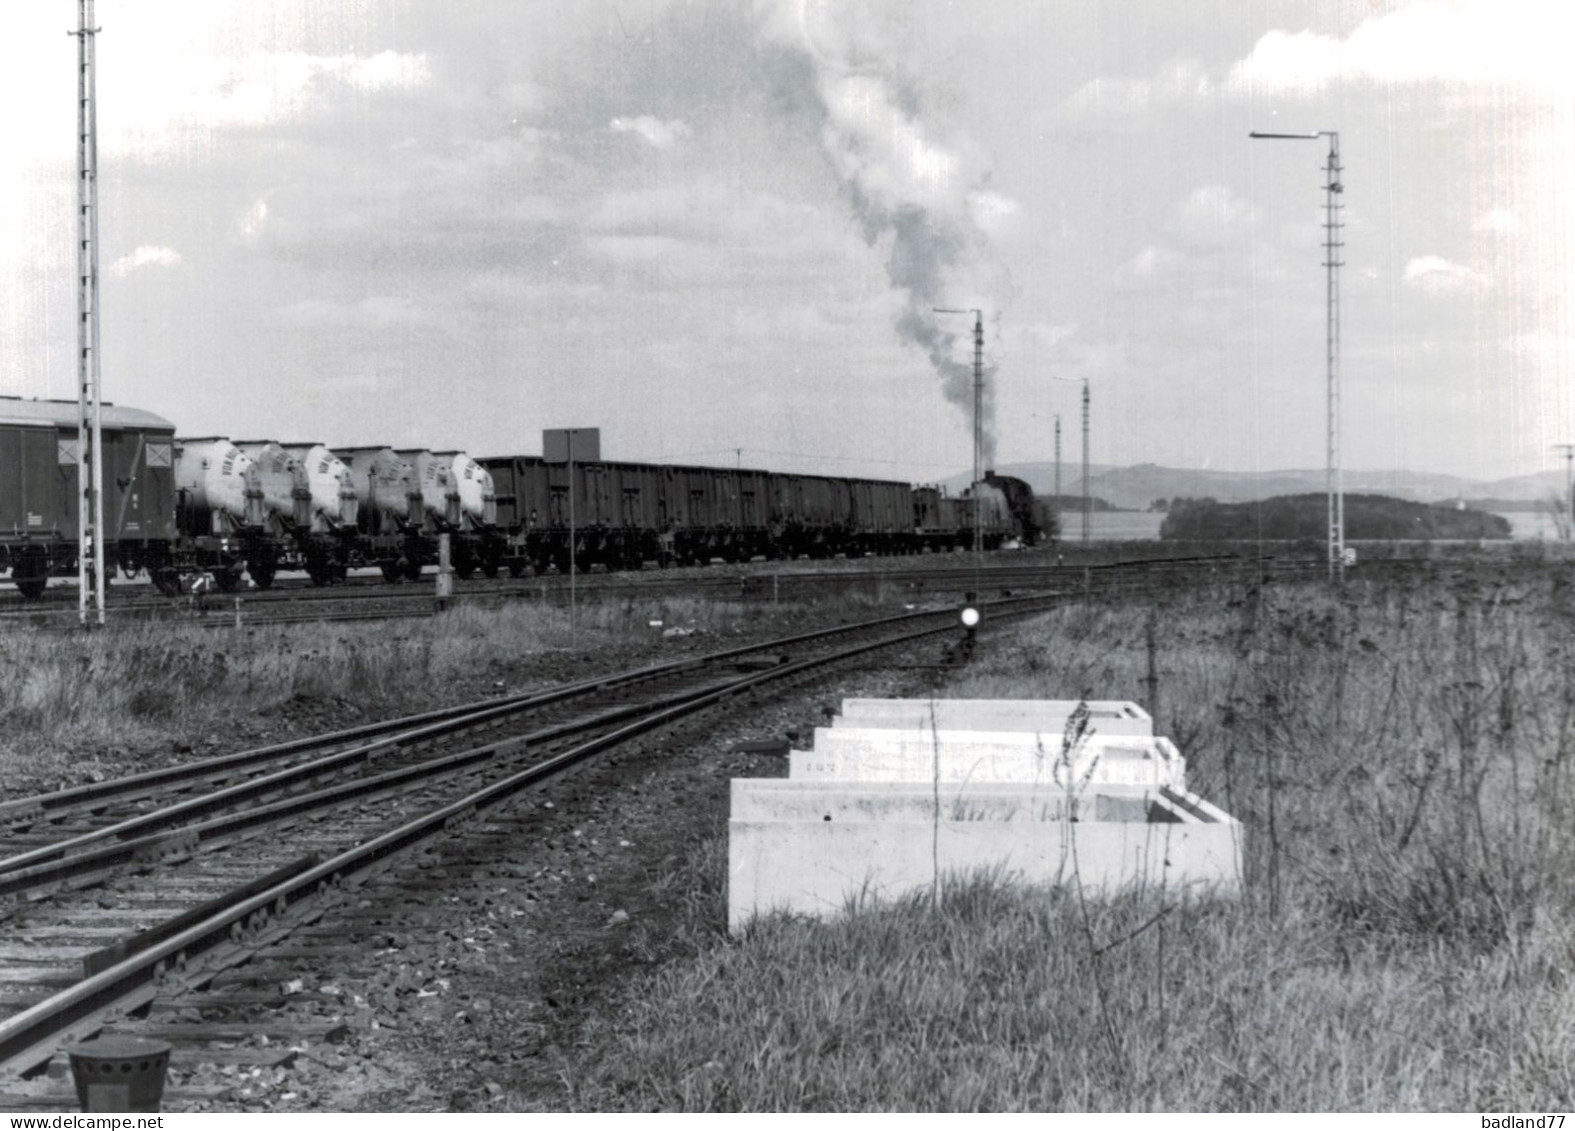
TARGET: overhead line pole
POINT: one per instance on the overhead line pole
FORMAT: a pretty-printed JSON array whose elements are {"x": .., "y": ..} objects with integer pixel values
[
  {"x": 1569, "y": 487},
  {"x": 1086, "y": 496},
  {"x": 1332, "y": 264},
  {"x": 1085, "y": 460},
  {"x": 1060, "y": 533},
  {"x": 978, "y": 417},
  {"x": 90, "y": 438}
]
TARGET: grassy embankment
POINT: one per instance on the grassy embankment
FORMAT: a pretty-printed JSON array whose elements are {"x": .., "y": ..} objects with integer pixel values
[
  {"x": 79, "y": 704},
  {"x": 1402, "y": 761}
]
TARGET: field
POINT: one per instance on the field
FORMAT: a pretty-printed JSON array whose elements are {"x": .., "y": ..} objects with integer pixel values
[
  {"x": 80, "y": 707},
  {"x": 1402, "y": 760},
  {"x": 1400, "y": 757}
]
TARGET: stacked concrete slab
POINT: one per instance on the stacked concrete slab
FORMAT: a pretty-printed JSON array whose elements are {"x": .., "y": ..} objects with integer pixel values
[{"x": 898, "y": 790}]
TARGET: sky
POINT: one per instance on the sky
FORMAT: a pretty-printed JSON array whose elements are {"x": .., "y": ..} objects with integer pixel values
[{"x": 718, "y": 230}]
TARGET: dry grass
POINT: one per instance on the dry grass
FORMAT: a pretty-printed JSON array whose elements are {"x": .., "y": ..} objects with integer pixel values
[
  {"x": 1401, "y": 758},
  {"x": 75, "y": 704}
]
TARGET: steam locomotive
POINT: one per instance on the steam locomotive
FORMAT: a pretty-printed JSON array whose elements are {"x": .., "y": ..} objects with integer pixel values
[{"x": 177, "y": 508}]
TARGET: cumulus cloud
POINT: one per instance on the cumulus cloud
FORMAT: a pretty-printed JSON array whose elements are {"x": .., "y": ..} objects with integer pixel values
[
  {"x": 1486, "y": 42},
  {"x": 655, "y": 132},
  {"x": 260, "y": 89},
  {"x": 1503, "y": 41},
  {"x": 145, "y": 256},
  {"x": 1433, "y": 274}
]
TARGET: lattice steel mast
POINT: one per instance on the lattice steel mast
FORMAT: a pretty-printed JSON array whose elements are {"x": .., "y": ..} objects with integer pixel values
[
  {"x": 1332, "y": 264},
  {"x": 90, "y": 471}
]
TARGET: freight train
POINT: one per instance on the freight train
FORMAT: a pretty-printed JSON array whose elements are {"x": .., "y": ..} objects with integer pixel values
[{"x": 178, "y": 508}]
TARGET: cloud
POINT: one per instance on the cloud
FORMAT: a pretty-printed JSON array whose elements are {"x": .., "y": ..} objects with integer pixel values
[
  {"x": 253, "y": 219},
  {"x": 253, "y": 91},
  {"x": 1433, "y": 274},
  {"x": 145, "y": 256},
  {"x": 1479, "y": 42},
  {"x": 660, "y": 134},
  {"x": 1178, "y": 81},
  {"x": 1516, "y": 42},
  {"x": 1150, "y": 265},
  {"x": 1212, "y": 215},
  {"x": 375, "y": 312},
  {"x": 1498, "y": 220}
]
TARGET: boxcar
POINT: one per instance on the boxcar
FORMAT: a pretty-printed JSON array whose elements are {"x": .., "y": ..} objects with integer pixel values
[{"x": 39, "y": 491}]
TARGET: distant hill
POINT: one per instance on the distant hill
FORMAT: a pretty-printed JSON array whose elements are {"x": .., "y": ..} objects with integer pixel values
[
  {"x": 1137, "y": 488},
  {"x": 1292, "y": 517}
]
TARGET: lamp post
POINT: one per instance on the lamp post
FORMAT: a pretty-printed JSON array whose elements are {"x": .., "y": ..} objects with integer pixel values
[
  {"x": 978, "y": 416},
  {"x": 1332, "y": 244},
  {"x": 1084, "y": 381}
]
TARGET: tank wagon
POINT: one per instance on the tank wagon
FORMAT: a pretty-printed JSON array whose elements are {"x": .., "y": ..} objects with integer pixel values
[
  {"x": 178, "y": 507},
  {"x": 329, "y": 532},
  {"x": 406, "y": 499}
]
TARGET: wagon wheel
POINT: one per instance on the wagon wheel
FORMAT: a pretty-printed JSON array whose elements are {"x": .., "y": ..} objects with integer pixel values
[
  {"x": 31, "y": 572},
  {"x": 392, "y": 571},
  {"x": 262, "y": 569},
  {"x": 412, "y": 568}
]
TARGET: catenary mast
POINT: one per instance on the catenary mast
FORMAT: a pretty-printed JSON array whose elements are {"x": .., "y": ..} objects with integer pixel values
[{"x": 90, "y": 439}]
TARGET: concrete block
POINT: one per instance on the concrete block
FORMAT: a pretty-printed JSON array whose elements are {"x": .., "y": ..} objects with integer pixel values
[
  {"x": 1105, "y": 716},
  {"x": 784, "y": 799},
  {"x": 849, "y": 754},
  {"x": 817, "y": 867}
]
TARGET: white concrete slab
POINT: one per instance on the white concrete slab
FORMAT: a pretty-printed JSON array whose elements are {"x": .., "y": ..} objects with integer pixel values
[
  {"x": 1105, "y": 716},
  {"x": 849, "y": 754},
  {"x": 783, "y": 799},
  {"x": 819, "y": 867}
]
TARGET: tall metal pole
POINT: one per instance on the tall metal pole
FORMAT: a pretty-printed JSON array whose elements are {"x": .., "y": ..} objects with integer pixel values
[
  {"x": 978, "y": 416},
  {"x": 1085, "y": 459},
  {"x": 1569, "y": 487},
  {"x": 1057, "y": 496},
  {"x": 1086, "y": 495},
  {"x": 573, "y": 564},
  {"x": 978, "y": 427},
  {"x": 90, "y": 472},
  {"x": 1332, "y": 244}
]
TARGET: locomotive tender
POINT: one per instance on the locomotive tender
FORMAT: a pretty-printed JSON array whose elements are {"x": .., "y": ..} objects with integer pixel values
[{"x": 179, "y": 507}]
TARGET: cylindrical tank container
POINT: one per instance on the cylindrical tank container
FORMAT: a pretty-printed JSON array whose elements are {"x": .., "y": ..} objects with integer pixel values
[
  {"x": 435, "y": 474},
  {"x": 385, "y": 484},
  {"x": 280, "y": 479},
  {"x": 478, "y": 501},
  {"x": 217, "y": 478},
  {"x": 329, "y": 483}
]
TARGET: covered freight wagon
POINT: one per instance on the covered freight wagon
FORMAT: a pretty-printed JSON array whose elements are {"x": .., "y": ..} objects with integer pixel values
[{"x": 39, "y": 490}]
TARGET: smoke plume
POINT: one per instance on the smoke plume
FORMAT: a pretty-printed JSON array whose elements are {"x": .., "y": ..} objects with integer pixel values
[{"x": 921, "y": 197}]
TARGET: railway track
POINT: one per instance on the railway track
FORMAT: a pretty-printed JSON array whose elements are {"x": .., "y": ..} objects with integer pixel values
[
  {"x": 369, "y": 599},
  {"x": 121, "y": 889},
  {"x": 134, "y": 896}
]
